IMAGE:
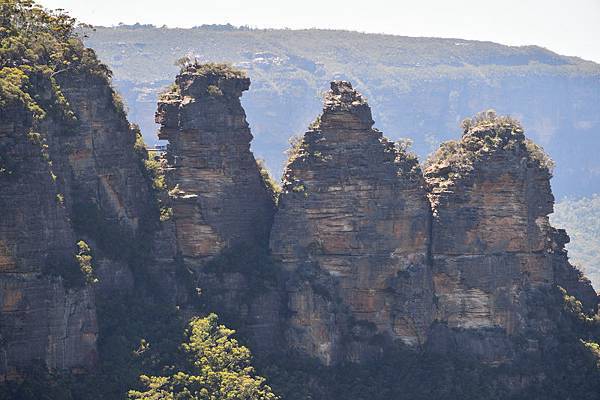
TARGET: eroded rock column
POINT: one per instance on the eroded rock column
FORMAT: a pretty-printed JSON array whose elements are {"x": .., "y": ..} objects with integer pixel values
[
  {"x": 219, "y": 198},
  {"x": 352, "y": 229},
  {"x": 492, "y": 243}
]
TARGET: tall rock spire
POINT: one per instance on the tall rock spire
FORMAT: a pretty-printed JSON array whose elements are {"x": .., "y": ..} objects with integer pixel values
[
  {"x": 353, "y": 226},
  {"x": 219, "y": 198}
]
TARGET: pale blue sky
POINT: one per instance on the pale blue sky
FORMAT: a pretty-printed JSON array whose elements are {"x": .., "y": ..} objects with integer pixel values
[{"x": 569, "y": 27}]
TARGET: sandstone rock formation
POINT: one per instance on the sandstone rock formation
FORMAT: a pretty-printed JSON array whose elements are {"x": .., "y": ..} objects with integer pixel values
[
  {"x": 367, "y": 266},
  {"x": 492, "y": 243},
  {"x": 219, "y": 199},
  {"x": 222, "y": 210},
  {"x": 353, "y": 231},
  {"x": 39, "y": 316},
  {"x": 368, "y": 253}
]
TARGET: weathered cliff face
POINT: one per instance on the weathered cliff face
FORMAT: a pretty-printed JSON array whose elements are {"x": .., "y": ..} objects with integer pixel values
[
  {"x": 492, "y": 244},
  {"x": 106, "y": 190},
  {"x": 65, "y": 178},
  {"x": 353, "y": 231},
  {"x": 366, "y": 264},
  {"x": 39, "y": 317},
  {"x": 218, "y": 197},
  {"x": 105, "y": 168}
]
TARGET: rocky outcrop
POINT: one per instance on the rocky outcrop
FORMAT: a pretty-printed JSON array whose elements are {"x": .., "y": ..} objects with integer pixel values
[
  {"x": 352, "y": 229},
  {"x": 367, "y": 252},
  {"x": 218, "y": 197},
  {"x": 370, "y": 261},
  {"x": 492, "y": 243}
]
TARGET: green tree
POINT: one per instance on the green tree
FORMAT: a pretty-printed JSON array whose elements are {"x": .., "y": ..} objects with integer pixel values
[{"x": 218, "y": 368}]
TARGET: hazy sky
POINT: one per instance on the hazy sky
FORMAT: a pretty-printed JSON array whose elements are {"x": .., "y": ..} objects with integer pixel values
[{"x": 569, "y": 27}]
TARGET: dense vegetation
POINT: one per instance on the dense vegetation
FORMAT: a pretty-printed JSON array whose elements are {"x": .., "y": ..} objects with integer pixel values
[
  {"x": 484, "y": 135},
  {"x": 205, "y": 69},
  {"x": 218, "y": 368},
  {"x": 35, "y": 46}
]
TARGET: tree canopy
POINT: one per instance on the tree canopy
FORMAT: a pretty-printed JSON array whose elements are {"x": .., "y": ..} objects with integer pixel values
[
  {"x": 218, "y": 368},
  {"x": 36, "y": 45}
]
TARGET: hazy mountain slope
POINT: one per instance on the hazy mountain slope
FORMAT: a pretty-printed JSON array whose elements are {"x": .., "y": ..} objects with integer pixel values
[
  {"x": 581, "y": 219},
  {"x": 420, "y": 87}
]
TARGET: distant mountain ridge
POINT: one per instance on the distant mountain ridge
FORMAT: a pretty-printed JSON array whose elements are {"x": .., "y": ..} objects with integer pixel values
[{"x": 421, "y": 87}]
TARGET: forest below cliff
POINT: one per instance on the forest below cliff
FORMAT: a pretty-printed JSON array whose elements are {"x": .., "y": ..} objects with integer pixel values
[{"x": 420, "y": 88}]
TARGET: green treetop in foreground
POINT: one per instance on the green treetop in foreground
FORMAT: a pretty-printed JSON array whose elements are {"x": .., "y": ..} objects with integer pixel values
[{"x": 218, "y": 368}]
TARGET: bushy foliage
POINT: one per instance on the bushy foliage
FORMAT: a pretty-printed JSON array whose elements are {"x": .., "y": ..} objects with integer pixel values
[
  {"x": 483, "y": 135},
  {"x": 14, "y": 89},
  {"x": 539, "y": 156},
  {"x": 214, "y": 91},
  {"x": 489, "y": 120},
  {"x": 406, "y": 159},
  {"x": 170, "y": 92},
  {"x": 271, "y": 184},
  {"x": 224, "y": 70},
  {"x": 76, "y": 271},
  {"x": 36, "y": 45},
  {"x": 84, "y": 259},
  {"x": 594, "y": 349},
  {"x": 296, "y": 148},
  {"x": 218, "y": 368}
]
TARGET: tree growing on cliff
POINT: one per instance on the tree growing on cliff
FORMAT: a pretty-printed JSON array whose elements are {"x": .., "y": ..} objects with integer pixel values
[{"x": 218, "y": 368}]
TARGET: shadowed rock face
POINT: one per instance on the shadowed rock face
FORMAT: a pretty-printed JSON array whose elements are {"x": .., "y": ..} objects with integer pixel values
[
  {"x": 353, "y": 229},
  {"x": 40, "y": 319},
  {"x": 492, "y": 243},
  {"x": 221, "y": 200},
  {"x": 57, "y": 169}
]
